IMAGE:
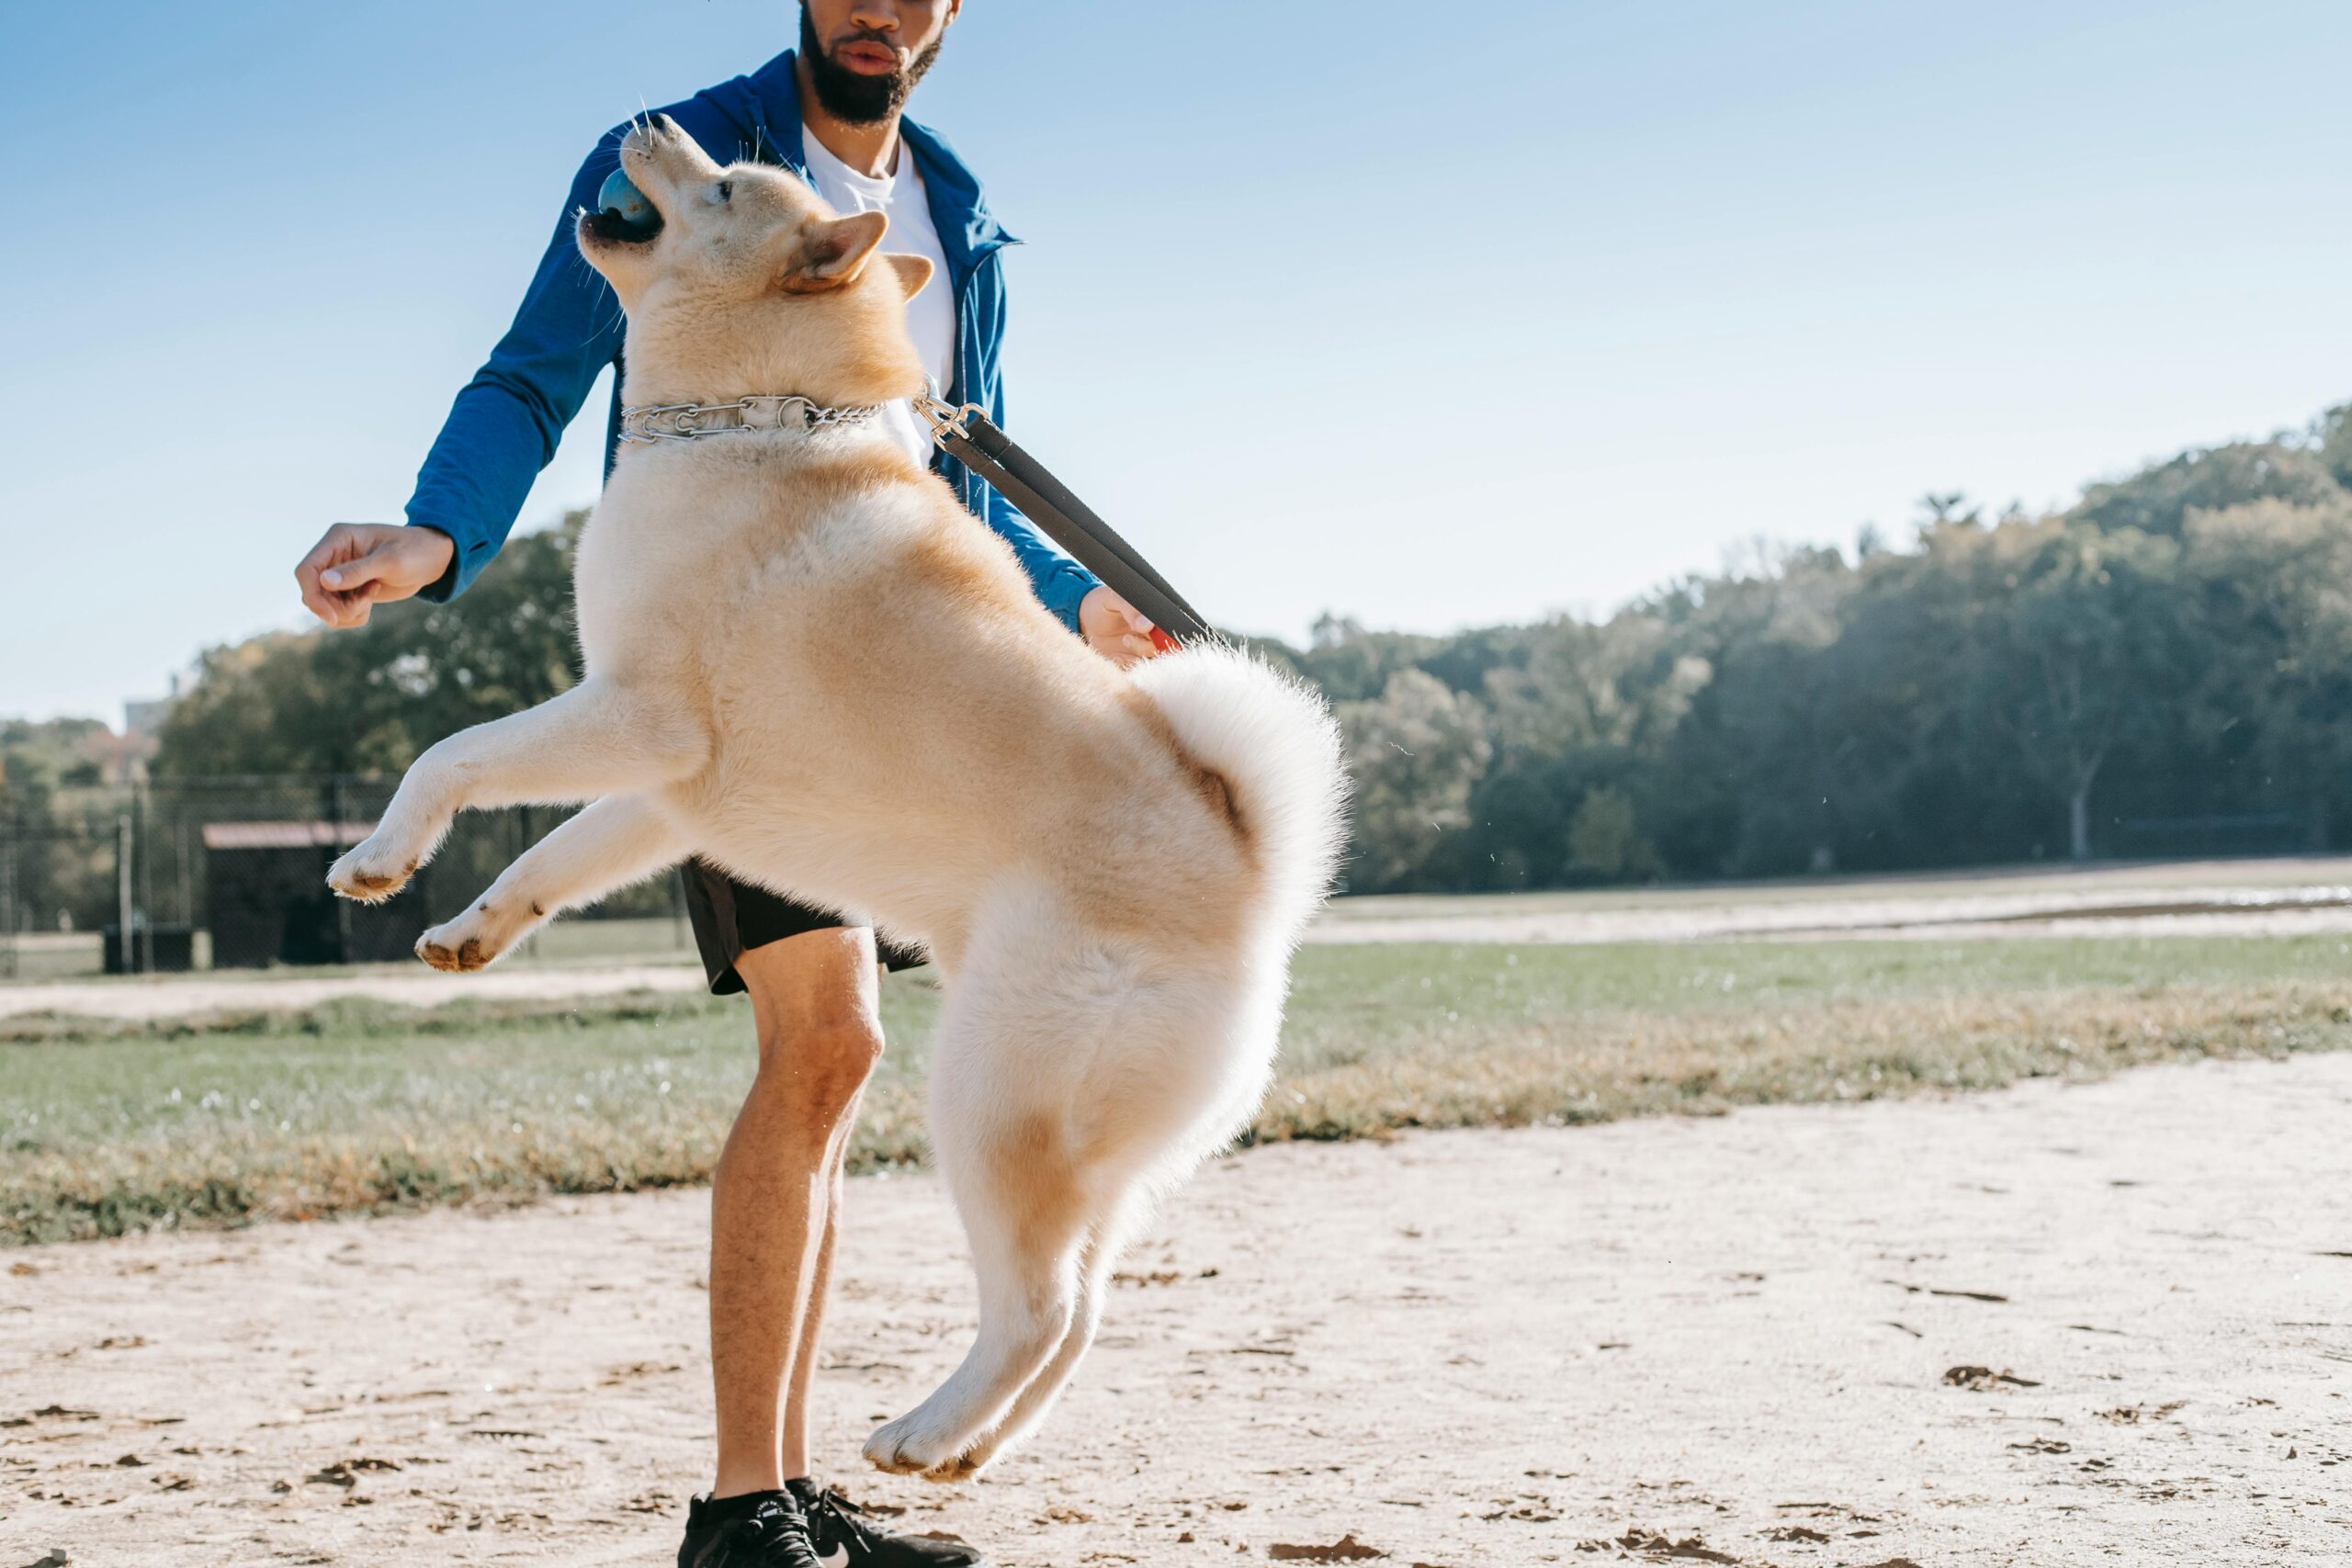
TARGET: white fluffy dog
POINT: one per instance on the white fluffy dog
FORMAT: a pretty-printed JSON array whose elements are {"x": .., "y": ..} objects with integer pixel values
[{"x": 808, "y": 664}]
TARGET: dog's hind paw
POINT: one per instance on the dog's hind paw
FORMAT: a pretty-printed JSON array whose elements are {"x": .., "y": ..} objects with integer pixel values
[
  {"x": 963, "y": 1467},
  {"x": 366, "y": 875},
  {"x": 910, "y": 1446}
]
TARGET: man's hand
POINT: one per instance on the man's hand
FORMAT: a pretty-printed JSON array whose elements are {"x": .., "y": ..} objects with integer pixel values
[
  {"x": 1113, "y": 628},
  {"x": 355, "y": 564}
]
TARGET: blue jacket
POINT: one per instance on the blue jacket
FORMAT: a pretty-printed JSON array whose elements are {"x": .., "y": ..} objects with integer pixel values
[{"x": 507, "y": 421}]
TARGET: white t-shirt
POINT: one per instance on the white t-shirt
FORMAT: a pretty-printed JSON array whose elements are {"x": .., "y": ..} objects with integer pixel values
[{"x": 931, "y": 314}]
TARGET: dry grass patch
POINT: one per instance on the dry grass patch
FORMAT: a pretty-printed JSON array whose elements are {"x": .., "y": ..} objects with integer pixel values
[
  {"x": 360, "y": 1108},
  {"x": 1599, "y": 1067}
]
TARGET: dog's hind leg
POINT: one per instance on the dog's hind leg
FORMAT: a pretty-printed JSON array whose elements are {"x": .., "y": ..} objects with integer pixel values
[
  {"x": 616, "y": 840},
  {"x": 1096, "y": 1265},
  {"x": 597, "y": 739},
  {"x": 1073, "y": 1076},
  {"x": 1027, "y": 1217}
]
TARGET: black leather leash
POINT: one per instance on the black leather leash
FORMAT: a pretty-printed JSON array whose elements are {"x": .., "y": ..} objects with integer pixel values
[{"x": 969, "y": 436}]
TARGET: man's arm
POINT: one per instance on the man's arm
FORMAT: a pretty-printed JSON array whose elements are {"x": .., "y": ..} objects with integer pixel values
[{"x": 502, "y": 431}]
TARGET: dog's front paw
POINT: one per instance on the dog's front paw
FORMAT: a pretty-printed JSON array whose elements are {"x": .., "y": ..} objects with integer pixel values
[
  {"x": 463, "y": 945},
  {"x": 370, "y": 873},
  {"x": 913, "y": 1445}
]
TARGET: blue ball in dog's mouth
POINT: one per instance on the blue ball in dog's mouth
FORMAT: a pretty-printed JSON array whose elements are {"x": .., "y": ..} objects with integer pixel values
[{"x": 622, "y": 211}]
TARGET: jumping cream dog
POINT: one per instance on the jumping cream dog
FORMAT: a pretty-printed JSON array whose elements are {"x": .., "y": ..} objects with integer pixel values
[{"x": 806, "y": 663}]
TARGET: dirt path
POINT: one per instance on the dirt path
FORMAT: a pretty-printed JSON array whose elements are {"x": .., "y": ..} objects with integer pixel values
[
  {"x": 277, "y": 989},
  {"x": 2077, "y": 904},
  {"x": 1465, "y": 1349}
]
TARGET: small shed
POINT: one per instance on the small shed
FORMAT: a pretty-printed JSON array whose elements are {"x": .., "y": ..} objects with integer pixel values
[{"x": 270, "y": 902}]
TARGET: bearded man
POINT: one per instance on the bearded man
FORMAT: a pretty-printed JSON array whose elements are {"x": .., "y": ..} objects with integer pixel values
[{"x": 831, "y": 111}]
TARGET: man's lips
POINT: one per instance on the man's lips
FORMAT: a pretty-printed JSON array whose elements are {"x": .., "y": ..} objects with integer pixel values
[{"x": 872, "y": 58}]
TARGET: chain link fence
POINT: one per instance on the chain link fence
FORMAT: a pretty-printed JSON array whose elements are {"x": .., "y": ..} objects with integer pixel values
[{"x": 199, "y": 873}]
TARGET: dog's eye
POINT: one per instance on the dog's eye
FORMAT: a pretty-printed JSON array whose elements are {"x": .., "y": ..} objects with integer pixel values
[{"x": 726, "y": 190}]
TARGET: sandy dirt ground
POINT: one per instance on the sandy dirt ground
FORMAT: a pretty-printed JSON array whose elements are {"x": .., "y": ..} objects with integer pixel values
[
  {"x": 2271, "y": 897},
  {"x": 2179, "y": 898},
  {"x": 231, "y": 990},
  {"x": 1744, "y": 1340}
]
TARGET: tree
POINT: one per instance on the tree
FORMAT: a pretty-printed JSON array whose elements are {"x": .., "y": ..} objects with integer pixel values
[
  {"x": 1605, "y": 842},
  {"x": 2270, "y": 587},
  {"x": 2075, "y": 645},
  {"x": 1353, "y": 665},
  {"x": 1414, "y": 752},
  {"x": 2159, "y": 497},
  {"x": 2331, "y": 439}
]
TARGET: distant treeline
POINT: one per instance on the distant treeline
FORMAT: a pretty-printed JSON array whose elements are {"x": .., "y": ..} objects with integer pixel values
[{"x": 2165, "y": 668}]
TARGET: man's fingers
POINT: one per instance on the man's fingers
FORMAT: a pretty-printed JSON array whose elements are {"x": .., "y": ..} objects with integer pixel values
[
  {"x": 340, "y": 595},
  {"x": 1128, "y": 613},
  {"x": 1125, "y": 652},
  {"x": 353, "y": 576},
  {"x": 314, "y": 598},
  {"x": 319, "y": 595},
  {"x": 333, "y": 546},
  {"x": 320, "y": 599}
]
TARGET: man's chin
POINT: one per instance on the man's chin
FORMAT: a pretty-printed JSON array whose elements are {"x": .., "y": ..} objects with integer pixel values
[{"x": 860, "y": 90}]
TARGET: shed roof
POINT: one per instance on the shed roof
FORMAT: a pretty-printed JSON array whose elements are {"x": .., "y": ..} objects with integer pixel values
[{"x": 283, "y": 835}]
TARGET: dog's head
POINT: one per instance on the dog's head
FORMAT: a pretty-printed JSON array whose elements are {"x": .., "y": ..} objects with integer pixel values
[{"x": 751, "y": 284}]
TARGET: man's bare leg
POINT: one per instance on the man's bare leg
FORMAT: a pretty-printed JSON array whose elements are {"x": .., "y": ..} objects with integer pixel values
[
  {"x": 795, "y": 1451},
  {"x": 816, "y": 1000}
]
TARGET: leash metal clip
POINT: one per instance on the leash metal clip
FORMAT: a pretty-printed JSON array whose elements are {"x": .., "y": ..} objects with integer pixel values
[{"x": 945, "y": 418}]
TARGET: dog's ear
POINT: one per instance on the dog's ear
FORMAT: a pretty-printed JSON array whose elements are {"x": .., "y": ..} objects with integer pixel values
[
  {"x": 913, "y": 272},
  {"x": 832, "y": 253}
]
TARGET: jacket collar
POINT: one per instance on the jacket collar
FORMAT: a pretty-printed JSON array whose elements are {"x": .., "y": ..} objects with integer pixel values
[{"x": 769, "y": 111}]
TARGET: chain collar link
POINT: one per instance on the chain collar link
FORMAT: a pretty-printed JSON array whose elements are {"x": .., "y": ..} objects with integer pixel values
[{"x": 752, "y": 415}]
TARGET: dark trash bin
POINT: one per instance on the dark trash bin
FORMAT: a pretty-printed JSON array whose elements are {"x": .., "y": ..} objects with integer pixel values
[{"x": 154, "y": 949}]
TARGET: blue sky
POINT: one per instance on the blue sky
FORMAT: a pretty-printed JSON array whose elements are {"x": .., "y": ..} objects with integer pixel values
[{"x": 1464, "y": 314}]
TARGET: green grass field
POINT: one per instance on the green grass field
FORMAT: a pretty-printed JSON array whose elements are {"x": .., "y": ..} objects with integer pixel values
[{"x": 360, "y": 1107}]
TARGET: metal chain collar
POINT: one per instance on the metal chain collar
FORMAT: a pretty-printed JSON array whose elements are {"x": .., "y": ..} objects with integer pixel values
[{"x": 751, "y": 415}]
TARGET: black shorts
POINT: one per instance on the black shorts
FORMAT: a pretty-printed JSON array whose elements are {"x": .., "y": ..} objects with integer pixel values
[{"x": 731, "y": 918}]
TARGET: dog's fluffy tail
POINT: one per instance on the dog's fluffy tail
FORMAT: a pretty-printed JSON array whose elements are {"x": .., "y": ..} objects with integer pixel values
[{"x": 1275, "y": 743}]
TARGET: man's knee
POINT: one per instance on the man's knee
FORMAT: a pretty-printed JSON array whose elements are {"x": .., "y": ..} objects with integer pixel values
[
  {"x": 849, "y": 1044},
  {"x": 820, "y": 1063},
  {"x": 818, "y": 1008}
]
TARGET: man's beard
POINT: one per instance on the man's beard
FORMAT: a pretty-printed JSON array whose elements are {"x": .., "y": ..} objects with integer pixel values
[{"x": 853, "y": 96}]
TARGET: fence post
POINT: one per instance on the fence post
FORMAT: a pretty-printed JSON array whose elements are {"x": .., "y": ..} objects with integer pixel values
[
  {"x": 144, "y": 831},
  {"x": 122, "y": 892},
  {"x": 334, "y": 831},
  {"x": 8, "y": 892}
]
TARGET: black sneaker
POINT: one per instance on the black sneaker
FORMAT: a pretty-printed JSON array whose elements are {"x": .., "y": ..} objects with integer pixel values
[
  {"x": 765, "y": 1530},
  {"x": 844, "y": 1539}
]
